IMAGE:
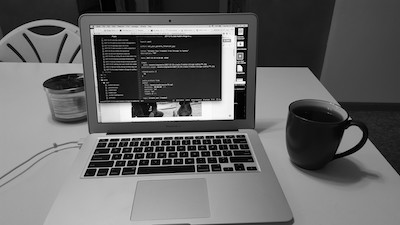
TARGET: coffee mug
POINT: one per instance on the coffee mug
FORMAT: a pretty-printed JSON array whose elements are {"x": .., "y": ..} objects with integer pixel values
[{"x": 314, "y": 131}]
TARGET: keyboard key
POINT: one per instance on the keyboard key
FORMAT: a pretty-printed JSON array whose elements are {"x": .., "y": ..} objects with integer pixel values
[
  {"x": 155, "y": 162},
  {"x": 100, "y": 157},
  {"x": 132, "y": 163},
  {"x": 223, "y": 147},
  {"x": 194, "y": 154},
  {"x": 150, "y": 155},
  {"x": 212, "y": 147},
  {"x": 116, "y": 156},
  {"x": 101, "y": 164},
  {"x": 178, "y": 161},
  {"x": 251, "y": 168},
  {"x": 166, "y": 169},
  {"x": 112, "y": 144},
  {"x": 149, "y": 149},
  {"x": 191, "y": 148},
  {"x": 126, "y": 150},
  {"x": 240, "y": 153},
  {"x": 183, "y": 154},
  {"x": 115, "y": 150},
  {"x": 139, "y": 156},
  {"x": 203, "y": 168},
  {"x": 172, "y": 154},
  {"x": 202, "y": 147},
  {"x": 226, "y": 153},
  {"x": 181, "y": 148},
  {"x": 217, "y": 141},
  {"x": 196, "y": 142},
  {"x": 227, "y": 141},
  {"x": 170, "y": 149},
  {"x": 233, "y": 147},
  {"x": 102, "y": 151},
  {"x": 144, "y": 143},
  {"x": 167, "y": 161},
  {"x": 216, "y": 153},
  {"x": 244, "y": 146},
  {"x": 205, "y": 154},
  {"x": 120, "y": 163},
  {"x": 115, "y": 171},
  {"x": 162, "y": 155},
  {"x": 216, "y": 167},
  {"x": 165, "y": 143},
  {"x": 160, "y": 149},
  {"x": 240, "y": 141},
  {"x": 176, "y": 142},
  {"x": 102, "y": 172},
  {"x": 133, "y": 143},
  {"x": 138, "y": 149},
  {"x": 189, "y": 161},
  {"x": 228, "y": 169},
  {"x": 128, "y": 156},
  {"x": 201, "y": 160},
  {"x": 239, "y": 167},
  {"x": 90, "y": 172},
  {"x": 128, "y": 171},
  {"x": 212, "y": 160},
  {"x": 101, "y": 144},
  {"x": 144, "y": 162},
  {"x": 155, "y": 143},
  {"x": 123, "y": 144},
  {"x": 241, "y": 159},
  {"x": 185, "y": 142},
  {"x": 223, "y": 159}
]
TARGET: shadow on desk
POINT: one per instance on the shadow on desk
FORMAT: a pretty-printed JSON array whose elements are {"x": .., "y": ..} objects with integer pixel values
[
  {"x": 270, "y": 125},
  {"x": 344, "y": 171}
]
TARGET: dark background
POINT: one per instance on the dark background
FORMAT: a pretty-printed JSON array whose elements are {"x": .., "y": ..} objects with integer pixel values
[{"x": 291, "y": 32}]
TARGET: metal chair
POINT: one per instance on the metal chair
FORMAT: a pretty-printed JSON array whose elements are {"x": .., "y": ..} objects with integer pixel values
[{"x": 24, "y": 44}]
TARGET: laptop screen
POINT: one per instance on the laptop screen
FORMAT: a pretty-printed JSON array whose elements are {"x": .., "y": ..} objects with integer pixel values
[{"x": 150, "y": 73}]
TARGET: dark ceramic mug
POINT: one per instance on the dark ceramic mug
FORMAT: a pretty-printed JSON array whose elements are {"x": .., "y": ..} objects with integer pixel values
[{"x": 314, "y": 131}]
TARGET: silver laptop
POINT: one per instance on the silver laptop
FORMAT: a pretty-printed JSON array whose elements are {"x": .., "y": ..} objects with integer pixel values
[{"x": 171, "y": 112}]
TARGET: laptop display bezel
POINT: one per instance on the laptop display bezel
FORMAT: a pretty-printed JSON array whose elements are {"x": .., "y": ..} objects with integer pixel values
[{"x": 86, "y": 20}]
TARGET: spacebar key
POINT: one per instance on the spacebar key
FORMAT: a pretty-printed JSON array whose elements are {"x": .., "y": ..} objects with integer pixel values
[{"x": 166, "y": 169}]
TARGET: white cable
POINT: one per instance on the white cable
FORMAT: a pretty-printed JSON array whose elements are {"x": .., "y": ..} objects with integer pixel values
[{"x": 26, "y": 161}]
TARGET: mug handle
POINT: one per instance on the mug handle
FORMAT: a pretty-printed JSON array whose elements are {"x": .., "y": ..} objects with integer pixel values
[{"x": 360, "y": 144}]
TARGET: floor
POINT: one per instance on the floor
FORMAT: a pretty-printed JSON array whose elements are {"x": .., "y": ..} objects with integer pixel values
[{"x": 384, "y": 132}]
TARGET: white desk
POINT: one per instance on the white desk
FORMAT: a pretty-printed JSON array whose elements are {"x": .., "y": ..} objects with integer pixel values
[{"x": 360, "y": 189}]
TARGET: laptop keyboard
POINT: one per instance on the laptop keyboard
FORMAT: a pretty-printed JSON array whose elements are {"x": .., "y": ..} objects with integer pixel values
[{"x": 173, "y": 154}]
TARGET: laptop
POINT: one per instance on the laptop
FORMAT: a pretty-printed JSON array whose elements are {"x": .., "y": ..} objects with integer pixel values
[{"x": 171, "y": 112}]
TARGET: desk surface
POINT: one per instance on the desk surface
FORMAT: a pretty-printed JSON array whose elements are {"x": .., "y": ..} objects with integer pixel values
[{"x": 360, "y": 189}]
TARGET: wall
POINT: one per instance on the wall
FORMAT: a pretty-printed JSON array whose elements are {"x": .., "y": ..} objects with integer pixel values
[
  {"x": 292, "y": 32},
  {"x": 362, "y": 61},
  {"x": 14, "y": 13}
]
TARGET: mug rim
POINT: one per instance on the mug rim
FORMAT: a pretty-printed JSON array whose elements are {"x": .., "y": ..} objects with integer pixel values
[{"x": 344, "y": 114}]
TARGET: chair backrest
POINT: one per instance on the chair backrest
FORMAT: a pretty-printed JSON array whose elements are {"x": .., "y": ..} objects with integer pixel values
[{"x": 24, "y": 45}]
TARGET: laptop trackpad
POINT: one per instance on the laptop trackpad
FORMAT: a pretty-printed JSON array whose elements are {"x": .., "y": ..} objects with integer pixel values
[{"x": 171, "y": 199}]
